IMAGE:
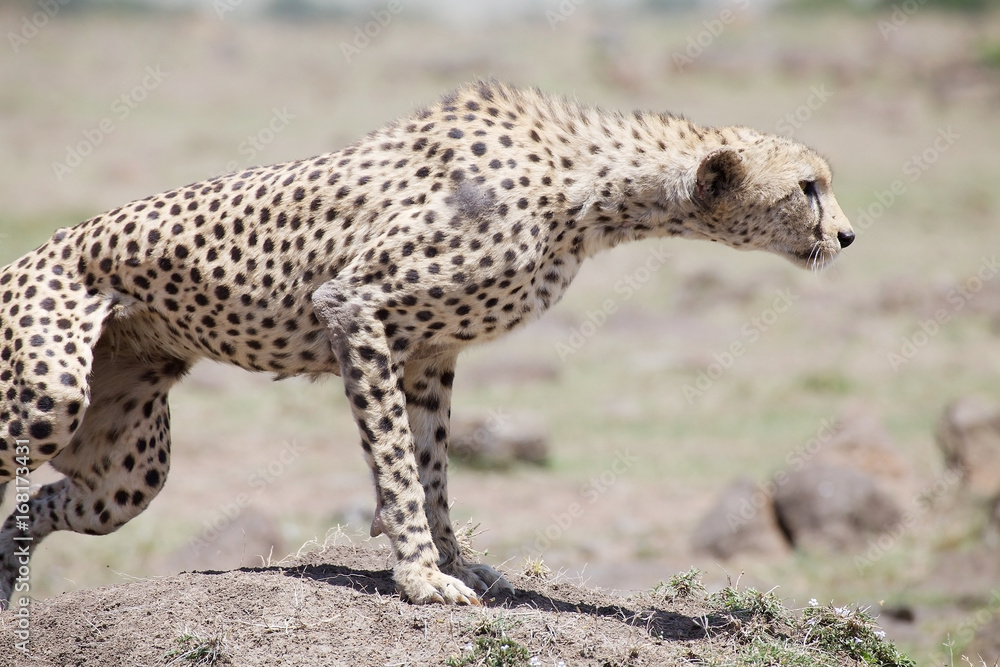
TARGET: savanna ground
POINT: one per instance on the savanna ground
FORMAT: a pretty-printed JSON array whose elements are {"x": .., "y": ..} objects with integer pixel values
[{"x": 643, "y": 458}]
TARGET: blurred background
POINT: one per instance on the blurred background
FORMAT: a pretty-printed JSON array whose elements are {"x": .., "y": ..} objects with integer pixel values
[{"x": 836, "y": 435}]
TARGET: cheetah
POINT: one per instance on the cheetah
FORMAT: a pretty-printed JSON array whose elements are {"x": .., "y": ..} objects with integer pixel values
[{"x": 379, "y": 263}]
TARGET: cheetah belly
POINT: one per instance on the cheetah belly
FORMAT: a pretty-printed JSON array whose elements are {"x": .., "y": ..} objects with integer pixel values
[{"x": 266, "y": 340}]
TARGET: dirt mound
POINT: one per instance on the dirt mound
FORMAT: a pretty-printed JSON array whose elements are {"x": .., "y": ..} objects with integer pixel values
[{"x": 337, "y": 606}]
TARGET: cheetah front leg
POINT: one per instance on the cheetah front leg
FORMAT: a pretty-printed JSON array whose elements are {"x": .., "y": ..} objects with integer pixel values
[
  {"x": 373, "y": 380},
  {"x": 427, "y": 384}
]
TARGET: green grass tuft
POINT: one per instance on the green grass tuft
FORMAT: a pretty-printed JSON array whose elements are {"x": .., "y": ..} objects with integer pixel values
[
  {"x": 682, "y": 586},
  {"x": 850, "y": 631},
  {"x": 194, "y": 650},
  {"x": 492, "y": 647},
  {"x": 768, "y": 633}
]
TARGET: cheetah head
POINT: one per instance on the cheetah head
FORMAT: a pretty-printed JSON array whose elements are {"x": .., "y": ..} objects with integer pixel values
[{"x": 769, "y": 193}]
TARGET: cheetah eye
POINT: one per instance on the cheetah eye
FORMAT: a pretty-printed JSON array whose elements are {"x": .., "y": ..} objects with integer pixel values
[{"x": 809, "y": 189}]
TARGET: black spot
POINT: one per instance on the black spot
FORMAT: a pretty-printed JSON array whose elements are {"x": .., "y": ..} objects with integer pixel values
[{"x": 40, "y": 430}]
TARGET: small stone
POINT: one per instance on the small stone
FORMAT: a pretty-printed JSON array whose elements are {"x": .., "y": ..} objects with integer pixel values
[{"x": 742, "y": 521}]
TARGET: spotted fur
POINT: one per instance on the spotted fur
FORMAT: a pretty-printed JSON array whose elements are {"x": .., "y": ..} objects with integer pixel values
[{"x": 379, "y": 263}]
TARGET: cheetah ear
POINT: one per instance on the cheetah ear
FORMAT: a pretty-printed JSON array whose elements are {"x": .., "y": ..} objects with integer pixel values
[{"x": 719, "y": 173}]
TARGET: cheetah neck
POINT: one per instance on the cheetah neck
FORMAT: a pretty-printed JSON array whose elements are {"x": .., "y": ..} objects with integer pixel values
[{"x": 629, "y": 176}]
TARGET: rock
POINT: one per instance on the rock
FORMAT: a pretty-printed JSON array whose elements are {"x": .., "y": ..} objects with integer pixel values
[
  {"x": 861, "y": 442},
  {"x": 743, "y": 521},
  {"x": 497, "y": 440},
  {"x": 835, "y": 508},
  {"x": 968, "y": 434}
]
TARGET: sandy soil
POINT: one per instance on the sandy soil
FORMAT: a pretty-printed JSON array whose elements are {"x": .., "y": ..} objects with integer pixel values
[{"x": 337, "y": 607}]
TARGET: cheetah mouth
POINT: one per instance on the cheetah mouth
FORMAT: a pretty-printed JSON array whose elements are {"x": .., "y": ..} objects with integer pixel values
[{"x": 817, "y": 258}]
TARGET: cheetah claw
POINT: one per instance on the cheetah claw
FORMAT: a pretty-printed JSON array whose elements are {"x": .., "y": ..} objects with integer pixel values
[
  {"x": 425, "y": 586},
  {"x": 480, "y": 577}
]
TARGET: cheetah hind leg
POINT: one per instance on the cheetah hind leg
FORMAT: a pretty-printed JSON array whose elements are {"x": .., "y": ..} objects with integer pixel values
[
  {"x": 114, "y": 465},
  {"x": 428, "y": 382}
]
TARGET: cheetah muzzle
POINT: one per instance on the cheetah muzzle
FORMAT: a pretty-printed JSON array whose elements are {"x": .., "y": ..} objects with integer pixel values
[{"x": 380, "y": 263}]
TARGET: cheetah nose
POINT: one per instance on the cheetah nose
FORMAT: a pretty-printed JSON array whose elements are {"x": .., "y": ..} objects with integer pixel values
[{"x": 845, "y": 237}]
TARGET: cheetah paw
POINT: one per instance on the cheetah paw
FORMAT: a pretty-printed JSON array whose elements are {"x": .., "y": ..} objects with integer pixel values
[
  {"x": 425, "y": 585},
  {"x": 482, "y": 578}
]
